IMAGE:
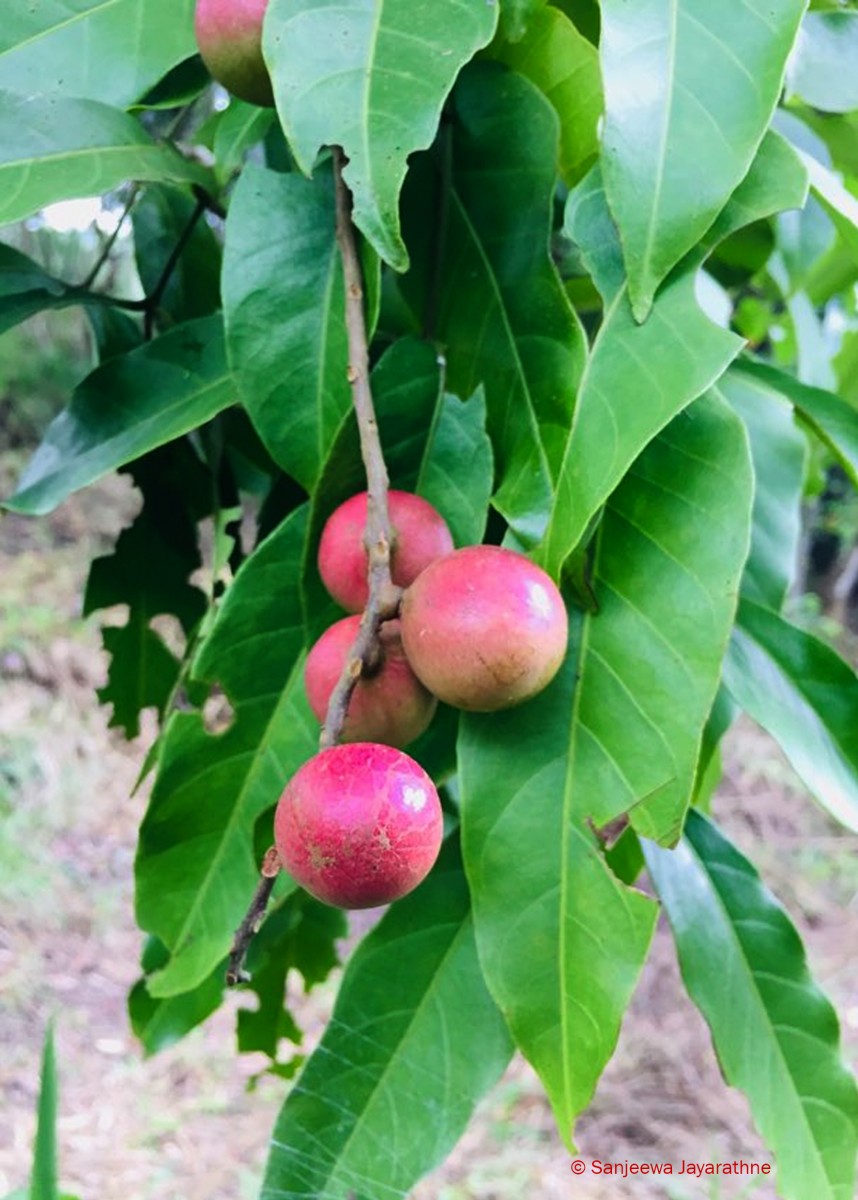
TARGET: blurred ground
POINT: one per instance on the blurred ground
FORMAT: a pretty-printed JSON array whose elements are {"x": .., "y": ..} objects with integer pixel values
[{"x": 183, "y": 1126}]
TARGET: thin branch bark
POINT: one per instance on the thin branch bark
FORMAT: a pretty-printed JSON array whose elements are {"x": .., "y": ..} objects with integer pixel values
[
  {"x": 384, "y": 597},
  {"x": 235, "y": 972}
]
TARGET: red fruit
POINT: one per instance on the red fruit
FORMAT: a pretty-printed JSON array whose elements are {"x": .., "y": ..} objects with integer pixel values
[
  {"x": 484, "y": 628},
  {"x": 421, "y": 536},
  {"x": 390, "y": 706},
  {"x": 359, "y": 825},
  {"x": 229, "y": 35}
]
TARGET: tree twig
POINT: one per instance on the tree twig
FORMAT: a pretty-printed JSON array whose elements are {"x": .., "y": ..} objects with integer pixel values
[
  {"x": 154, "y": 298},
  {"x": 110, "y": 242},
  {"x": 235, "y": 972},
  {"x": 384, "y": 597}
]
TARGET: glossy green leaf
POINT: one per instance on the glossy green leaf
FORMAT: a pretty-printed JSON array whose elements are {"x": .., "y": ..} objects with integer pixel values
[
  {"x": 414, "y": 1042},
  {"x": 561, "y": 940},
  {"x": 832, "y": 420},
  {"x": 161, "y": 1023},
  {"x": 502, "y": 315},
  {"x": 128, "y": 406},
  {"x": 54, "y": 148},
  {"x": 775, "y": 1033},
  {"x": 160, "y": 218},
  {"x": 26, "y": 289},
  {"x": 456, "y": 467},
  {"x": 685, "y": 81},
  {"x": 806, "y": 697},
  {"x": 517, "y": 16},
  {"x": 195, "y": 866},
  {"x": 565, "y": 67},
  {"x": 237, "y": 129},
  {"x": 639, "y": 376},
  {"x": 779, "y": 452},
  {"x": 108, "y": 50},
  {"x": 822, "y": 67},
  {"x": 371, "y": 78},
  {"x": 295, "y": 385},
  {"x": 44, "y": 1184},
  {"x": 836, "y": 198}
]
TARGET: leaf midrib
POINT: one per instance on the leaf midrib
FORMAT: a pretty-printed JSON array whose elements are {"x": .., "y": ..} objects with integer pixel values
[
  {"x": 95, "y": 10},
  {"x": 361, "y": 1117}
]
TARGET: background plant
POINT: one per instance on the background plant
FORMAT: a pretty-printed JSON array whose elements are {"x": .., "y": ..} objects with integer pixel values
[{"x": 609, "y": 256}]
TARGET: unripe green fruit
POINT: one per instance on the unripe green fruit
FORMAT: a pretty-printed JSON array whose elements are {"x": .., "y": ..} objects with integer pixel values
[
  {"x": 484, "y": 628},
  {"x": 229, "y": 35},
  {"x": 421, "y": 536},
  {"x": 359, "y": 825},
  {"x": 391, "y": 705}
]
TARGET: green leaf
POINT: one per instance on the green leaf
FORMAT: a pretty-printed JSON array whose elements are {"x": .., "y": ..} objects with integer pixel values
[
  {"x": 53, "y": 148},
  {"x": 196, "y": 869},
  {"x": 831, "y": 419},
  {"x": 142, "y": 673},
  {"x": 565, "y": 67},
  {"x": 109, "y": 50},
  {"x": 372, "y": 79},
  {"x": 561, "y": 940},
  {"x": 775, "y": 1033},
  {"x": 161, "y": 1023},
  {"x": 177, "y": 491},
  {"x": 663, "y": 364},
  {"x": 836, "y": 198},
  {"x": 779, "y": 452},
  {"x": 821, "y": 69},
  {"x": 299, "y": 935},
  {"x": 516, "y": 17},
  {"x": 161, "y": 216},
  {"x": 294, "y": 385},
  {"x": 456, "y": 468},
  {"x": 806, "y": 697},
  {"x": 503, "y": 316},
  {"x": 685, "y": 81},
  {"x": 26, "y": 289},
  {"x": 237, "y": 129},
  {"x": 126, "y": 407},
  {"x": 414, "y": 1042},
  {"x": 44, "y": 1182}
]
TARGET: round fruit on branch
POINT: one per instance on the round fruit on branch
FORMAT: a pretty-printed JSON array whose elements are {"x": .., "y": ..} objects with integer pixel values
[
  {"x": 229, "y": 35},
  {"x": 388, "y": 705},
  {"x": 359, "y": 825},
  {"x": 420, "y": 537},
  {"x": 484, "y": 628}
]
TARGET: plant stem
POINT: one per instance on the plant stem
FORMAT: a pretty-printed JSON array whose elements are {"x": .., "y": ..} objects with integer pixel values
[
  {"x": 384, "y": 597},
  {"x": 156, "y": 295},
  {"x": 235, "y": 972}
]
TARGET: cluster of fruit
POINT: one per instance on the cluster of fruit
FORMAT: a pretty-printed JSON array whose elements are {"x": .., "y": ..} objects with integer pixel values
[{"x": 481, "y": 628}]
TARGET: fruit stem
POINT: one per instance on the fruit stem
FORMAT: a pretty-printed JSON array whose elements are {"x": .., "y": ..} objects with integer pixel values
[
  {"x": 244, "y": 935},
  {"x": 384, "y": 597}
]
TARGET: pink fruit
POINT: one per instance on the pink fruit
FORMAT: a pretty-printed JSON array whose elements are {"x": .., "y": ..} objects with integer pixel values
[
  {"x": 390, "y": 706},
  {"x": 484, "y": 628},
  {"x": 421, "y": 536},
  {"x": 359, "y": 825},
  {"x": 229, "y": 35}
]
